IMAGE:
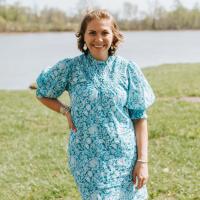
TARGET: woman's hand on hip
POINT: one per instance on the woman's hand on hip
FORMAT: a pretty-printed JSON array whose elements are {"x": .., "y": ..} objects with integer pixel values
[
  {"x": 70, "y": 122},
  {"x": 140, "y": 172}
]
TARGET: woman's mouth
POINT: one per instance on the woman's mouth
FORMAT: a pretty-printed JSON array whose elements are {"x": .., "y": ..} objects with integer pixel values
[{"x": 98, "y": 46}]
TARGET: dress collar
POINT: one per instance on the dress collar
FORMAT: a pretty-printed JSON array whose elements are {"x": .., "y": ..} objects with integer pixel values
[{"x": 94, "y": 61}]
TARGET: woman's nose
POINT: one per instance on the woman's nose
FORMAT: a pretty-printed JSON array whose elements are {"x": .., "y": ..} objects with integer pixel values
[{"x": 99, "y": 38}]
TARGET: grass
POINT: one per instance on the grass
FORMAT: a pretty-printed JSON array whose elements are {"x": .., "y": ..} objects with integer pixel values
[{"x": 33, "y": 141}]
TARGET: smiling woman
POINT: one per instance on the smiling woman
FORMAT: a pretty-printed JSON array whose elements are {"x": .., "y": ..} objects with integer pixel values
[
  {"x": 99, "y": 36},
  {"x": 107, "y": 150}
]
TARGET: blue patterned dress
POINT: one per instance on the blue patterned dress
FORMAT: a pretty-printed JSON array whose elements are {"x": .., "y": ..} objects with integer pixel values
[{"x": 105, "y": 97}]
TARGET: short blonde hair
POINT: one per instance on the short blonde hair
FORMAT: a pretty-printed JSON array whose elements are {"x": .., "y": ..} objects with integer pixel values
[{"x": 99, "y": 14}]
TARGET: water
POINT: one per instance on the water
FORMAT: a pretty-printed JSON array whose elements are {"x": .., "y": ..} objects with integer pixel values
[{"x": 23, "y": 56}]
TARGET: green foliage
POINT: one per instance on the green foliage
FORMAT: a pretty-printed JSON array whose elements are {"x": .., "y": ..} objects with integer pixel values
[
  {"x": 174, "y": 133},
  {"x": 177, "y": 80},
  {"x": 33, "y": 159},
  {"x": 19, "y": 18},
  {"x": 33, "y": 144}
]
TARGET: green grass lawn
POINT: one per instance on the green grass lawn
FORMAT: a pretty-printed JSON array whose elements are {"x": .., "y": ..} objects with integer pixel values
[{"x": 33, "y": 142}]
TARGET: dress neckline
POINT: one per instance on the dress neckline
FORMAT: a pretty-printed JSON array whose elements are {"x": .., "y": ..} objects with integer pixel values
[{"x": 94, "y": 61}]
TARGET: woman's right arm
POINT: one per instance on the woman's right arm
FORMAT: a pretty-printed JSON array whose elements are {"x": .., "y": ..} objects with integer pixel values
[{"x": 55, "y": 104}]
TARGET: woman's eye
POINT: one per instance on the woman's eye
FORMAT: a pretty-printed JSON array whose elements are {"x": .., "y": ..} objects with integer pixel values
[
  {"x": 105, "y": 33},
  {"x": 92, "y": 33}
]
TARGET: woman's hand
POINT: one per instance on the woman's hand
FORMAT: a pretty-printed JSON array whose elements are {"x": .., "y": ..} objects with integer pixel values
[
  {"x": 55, "y": 105},
  {"x": 70, "y": 122},
  {"x": 140, "y": 172}
]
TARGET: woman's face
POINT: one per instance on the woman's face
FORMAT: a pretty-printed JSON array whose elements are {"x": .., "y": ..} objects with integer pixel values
[{"x": 98, "y": 38}]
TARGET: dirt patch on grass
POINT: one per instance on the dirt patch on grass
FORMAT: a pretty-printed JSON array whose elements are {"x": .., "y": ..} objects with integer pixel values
[
  {"x": 190, "y": 99},
  {"x": 176, "y": 99}
]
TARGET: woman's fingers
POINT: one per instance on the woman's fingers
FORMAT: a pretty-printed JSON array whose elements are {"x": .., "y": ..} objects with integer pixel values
[
  {"x": 140, "y": 182},
  {"x": 140, "y": 175},
  {"x": 70, "y": 122},
  {"x": 73, "y": 127},
  {"x": 134, "y": 178}
]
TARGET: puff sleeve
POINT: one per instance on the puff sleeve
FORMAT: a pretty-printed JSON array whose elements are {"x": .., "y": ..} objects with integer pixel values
[
  {"x": 140, "y": 94},
  {"x": 53, "y": 81}
]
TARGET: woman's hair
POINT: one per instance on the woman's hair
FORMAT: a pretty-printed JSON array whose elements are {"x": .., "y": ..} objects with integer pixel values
[{"x": 99, "y": 14}]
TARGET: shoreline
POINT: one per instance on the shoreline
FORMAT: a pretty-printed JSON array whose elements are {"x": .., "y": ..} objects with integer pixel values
[
  {"x": 146, "y": 69},
  {"x": 146, "y": 30}
]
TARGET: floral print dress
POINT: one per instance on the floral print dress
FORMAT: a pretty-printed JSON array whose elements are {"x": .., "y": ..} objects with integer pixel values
[{"x": 105, "y": 97}]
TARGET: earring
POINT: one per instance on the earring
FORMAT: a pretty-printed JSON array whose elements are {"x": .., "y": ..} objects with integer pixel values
[
  {"x": 85, "y": 47},
  {"x": 111, "y": 47}
]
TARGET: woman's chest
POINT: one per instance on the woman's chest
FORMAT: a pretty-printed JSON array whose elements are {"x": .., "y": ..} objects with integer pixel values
[{"x": 107, "y": 84}]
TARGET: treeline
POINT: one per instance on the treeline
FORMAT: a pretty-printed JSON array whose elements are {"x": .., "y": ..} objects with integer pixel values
[
  {"x": 18, "y": 18},
  {"x": 158, "y": 18}
]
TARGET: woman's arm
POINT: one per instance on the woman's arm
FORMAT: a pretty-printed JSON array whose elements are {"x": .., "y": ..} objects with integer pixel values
[
  {"x": 141, "y": 168},
  {"x": 141, "y": 138},
  {"x": 55, "y": 104}
]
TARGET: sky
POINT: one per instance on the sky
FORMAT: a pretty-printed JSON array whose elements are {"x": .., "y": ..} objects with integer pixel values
[{"x": 70, "y": 6}]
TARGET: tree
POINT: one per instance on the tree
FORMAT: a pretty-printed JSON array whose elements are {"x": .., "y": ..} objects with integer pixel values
[
  {"x": 129, "y": 10},
  {"x": 154, "y": 6}
]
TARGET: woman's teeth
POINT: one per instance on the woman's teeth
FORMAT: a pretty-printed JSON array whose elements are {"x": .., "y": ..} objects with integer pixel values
[{"x": 98, "y": 46}]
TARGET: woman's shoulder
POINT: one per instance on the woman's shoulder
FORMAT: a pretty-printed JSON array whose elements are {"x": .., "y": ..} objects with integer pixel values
[
  {"x": 71, "y": 60},
  {"x": 66, "y": 64},
  {"x": 127, "y": 63},
  {"x": 124, "y": 60}
]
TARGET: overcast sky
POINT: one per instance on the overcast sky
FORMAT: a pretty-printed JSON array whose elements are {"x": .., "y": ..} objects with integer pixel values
[{"x": 70, "y": 6}]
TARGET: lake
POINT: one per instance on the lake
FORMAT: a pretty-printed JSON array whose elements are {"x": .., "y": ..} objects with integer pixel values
[{"x": 23, "y": 56}]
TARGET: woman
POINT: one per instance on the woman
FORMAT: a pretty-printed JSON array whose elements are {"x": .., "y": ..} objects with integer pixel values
[{"x": 109, "y": 96}]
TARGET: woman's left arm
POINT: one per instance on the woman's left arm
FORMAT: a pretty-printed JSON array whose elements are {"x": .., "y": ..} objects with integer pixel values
[{"x": 140, "y": 171}]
